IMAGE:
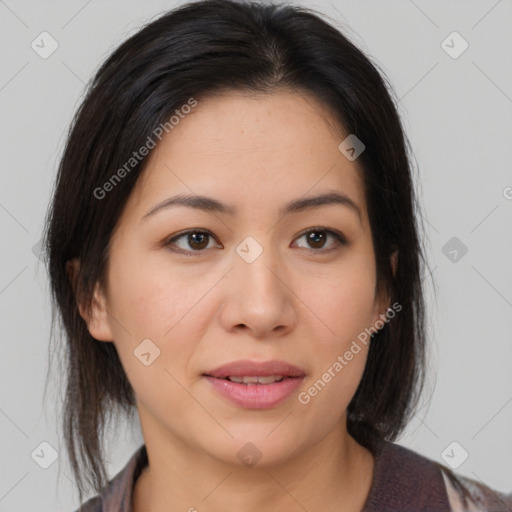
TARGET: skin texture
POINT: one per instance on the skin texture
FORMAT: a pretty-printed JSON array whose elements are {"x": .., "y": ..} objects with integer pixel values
[{"x": 256, "y": 152}]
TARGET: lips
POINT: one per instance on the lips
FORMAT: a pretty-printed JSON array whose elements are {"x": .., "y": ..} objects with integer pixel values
[
  {"x": 246, "y": 368},
  {"x": 256, "y": 380},
  {"x": 256, "y": 385}
]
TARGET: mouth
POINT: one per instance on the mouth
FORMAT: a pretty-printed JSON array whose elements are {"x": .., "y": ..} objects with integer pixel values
[
  {"x": 256, "y": 385},
  {"x": 250, "y": 380}
]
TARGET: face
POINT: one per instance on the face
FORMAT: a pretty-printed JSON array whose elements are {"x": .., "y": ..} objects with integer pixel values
[{"x": 191, "y": 289}]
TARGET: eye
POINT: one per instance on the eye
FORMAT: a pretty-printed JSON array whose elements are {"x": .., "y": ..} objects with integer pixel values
[
  {"x": 195, "y": 239},
  {"x": 317, "y": 236}
]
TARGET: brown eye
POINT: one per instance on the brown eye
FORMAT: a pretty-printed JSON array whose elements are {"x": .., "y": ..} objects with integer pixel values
[
  {"x": 317, "y": 238},
  {"x": 193, "y": 241},
  {"x": 197, "y": 240}
]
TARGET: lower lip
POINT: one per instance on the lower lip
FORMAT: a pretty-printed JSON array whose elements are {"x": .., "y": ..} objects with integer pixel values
[{"x": 256, "y": 396}]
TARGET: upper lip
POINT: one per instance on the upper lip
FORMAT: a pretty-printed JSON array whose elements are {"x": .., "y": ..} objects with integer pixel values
[{"x": 247, "y": 368}]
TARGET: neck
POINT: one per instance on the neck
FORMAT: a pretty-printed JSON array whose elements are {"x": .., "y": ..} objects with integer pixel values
[{"x": 335, "y": 474}]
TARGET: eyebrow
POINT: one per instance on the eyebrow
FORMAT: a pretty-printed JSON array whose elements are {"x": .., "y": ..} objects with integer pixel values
[{"x": 209, "y": 204}]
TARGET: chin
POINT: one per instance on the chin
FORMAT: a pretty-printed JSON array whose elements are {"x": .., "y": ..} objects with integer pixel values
[{"x": 256, "y": 450}]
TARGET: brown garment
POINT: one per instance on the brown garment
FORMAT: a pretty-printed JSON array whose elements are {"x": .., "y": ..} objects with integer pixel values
[{"x": 403, "y": 481}]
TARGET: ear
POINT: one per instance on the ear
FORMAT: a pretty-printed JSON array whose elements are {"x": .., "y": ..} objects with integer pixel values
[
  {"x": 382, "y": 302},
  {"x": 98, "y": 319}
]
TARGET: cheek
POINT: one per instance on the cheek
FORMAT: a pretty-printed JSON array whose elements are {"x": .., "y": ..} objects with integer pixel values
[
  {"x": 339, "y": 358},
  {"x": 152, "y": 300},
  {"x": 151, "y": 306},
  {"x": 343, "y": 300},
  {"x": 345, "y": 308},
  {"x": 144, "y": 304},
  {"x": 172, "y": 308}
]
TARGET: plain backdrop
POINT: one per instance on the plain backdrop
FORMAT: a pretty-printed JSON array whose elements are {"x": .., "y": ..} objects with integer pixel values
[{"x": 457, "y": 110}]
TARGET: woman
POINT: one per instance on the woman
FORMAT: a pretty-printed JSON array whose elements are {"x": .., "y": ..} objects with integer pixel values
[{"x": 234, "y": 253}]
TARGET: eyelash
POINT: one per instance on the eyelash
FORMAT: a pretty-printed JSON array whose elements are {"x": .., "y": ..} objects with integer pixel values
[{"x": 340, "y": 240}]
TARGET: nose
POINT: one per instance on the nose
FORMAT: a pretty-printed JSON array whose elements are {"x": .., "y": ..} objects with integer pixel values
[{"x": 258, "y": 297}]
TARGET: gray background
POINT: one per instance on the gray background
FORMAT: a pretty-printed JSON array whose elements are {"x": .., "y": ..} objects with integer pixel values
[{"x": 458, "y": 115}]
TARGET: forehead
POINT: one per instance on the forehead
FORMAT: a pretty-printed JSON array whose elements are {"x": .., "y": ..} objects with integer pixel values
[{"x": 256, "y": 150}]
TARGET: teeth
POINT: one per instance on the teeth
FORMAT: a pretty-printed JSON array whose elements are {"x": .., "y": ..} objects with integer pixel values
[{"x": 256, "y": 380}]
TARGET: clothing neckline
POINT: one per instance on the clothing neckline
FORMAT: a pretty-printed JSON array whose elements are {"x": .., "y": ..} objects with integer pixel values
[{"x": 399, "y": 479}]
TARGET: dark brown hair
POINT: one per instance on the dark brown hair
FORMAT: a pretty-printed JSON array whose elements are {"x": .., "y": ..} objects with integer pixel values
[{"x": 197, "y": 50}]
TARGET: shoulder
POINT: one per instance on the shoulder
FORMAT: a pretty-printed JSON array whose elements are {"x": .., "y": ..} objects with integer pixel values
[
  {"x": 467, "y": 494},
  {"x": 92, "y": 505},
  {"x": 117, "y": 494},
  {"x": 405, "y": 480},
  {"x": 404, "y": 477}
]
